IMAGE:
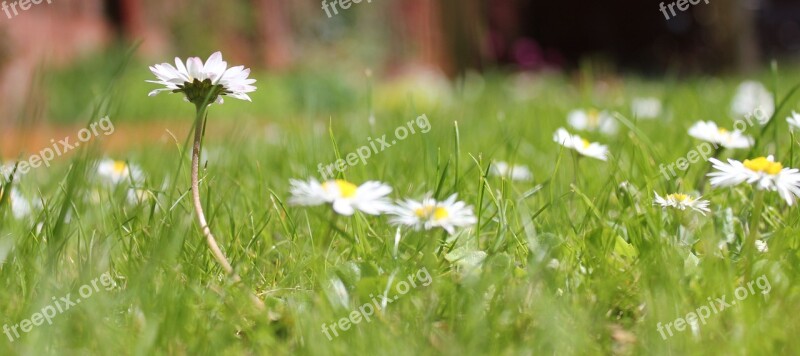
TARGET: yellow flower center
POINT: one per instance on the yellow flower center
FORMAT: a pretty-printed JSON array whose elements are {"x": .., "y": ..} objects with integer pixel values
[
  {"x": 586, "y": 143},
  {"x": 346, "y": 189},
  {"x": 425, "y": 212},
  {"x": 763, "y": 165},
  {"x": 120, "y": 167},
  {"x": 440, "y": 213},
  {"x": 722, "y": 130},
  {"x": 679, "y": 197}
]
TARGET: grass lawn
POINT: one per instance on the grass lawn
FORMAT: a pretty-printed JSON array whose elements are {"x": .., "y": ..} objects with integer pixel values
[{"x": 577, "y": 260}]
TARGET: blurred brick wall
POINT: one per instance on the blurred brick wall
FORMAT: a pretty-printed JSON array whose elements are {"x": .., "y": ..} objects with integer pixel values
[{"x": 46, "y": 34}]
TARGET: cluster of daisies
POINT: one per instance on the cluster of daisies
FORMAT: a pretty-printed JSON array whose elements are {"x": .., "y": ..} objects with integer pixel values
[
  {"x": 763, "y": 173},
  {"x": 111, "y": 173},
  {"x": 196, "y": 80},
  {"x": 372, "y": 198},
  {"x": 208, "y": 82},
  {"x": 751, "y": 99},
  {"x": 645, "y": 108}
]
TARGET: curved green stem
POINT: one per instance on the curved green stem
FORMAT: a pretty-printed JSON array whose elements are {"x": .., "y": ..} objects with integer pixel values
[{"x": 198, "y": 206}]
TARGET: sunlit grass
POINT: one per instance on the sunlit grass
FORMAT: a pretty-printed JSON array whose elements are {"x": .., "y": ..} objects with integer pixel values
[{"x": 623, "y": 264}]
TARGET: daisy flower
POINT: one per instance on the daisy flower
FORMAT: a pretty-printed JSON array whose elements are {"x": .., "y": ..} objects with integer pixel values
[
  {"x": 681, "y": 202},
  {"x": 515, "y": 172},
  {"x": 584, "y": 147},
  {"x": 750, "y": 96},
  {"x": 794, "y": 121},
  {"x": 203, "y": 84},
  {"x": 592, "y": 120},
  {"x": 429, "y": 214},
  {"x": 346, "y": 197},
  {"x": 116, "y": 172},
  {"x": 198, "y": 80},
  {"x": 762, "y": 172},
  {"x": 646, "y": 108},
  {"x": 709, "y": 132}
]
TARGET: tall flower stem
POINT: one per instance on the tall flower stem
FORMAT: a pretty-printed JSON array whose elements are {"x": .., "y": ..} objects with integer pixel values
[
  {"x": 198, "y": 206},
  {"x": 752, "y": 235}
]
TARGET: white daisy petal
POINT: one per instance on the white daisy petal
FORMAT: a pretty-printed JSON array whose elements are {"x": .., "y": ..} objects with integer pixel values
[
  {"x": 343, "y": 207},
  {"x": 794, "y": 121},
  {"x": 195, "y": 67}
]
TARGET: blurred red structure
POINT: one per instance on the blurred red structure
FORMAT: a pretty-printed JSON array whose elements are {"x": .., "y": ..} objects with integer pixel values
[
  {"x": 45, "y": 35},
  {"x": 449, "y": 36}
]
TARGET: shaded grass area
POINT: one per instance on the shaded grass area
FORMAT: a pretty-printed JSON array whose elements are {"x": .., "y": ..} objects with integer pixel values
[{"x": 623, "y": 265}]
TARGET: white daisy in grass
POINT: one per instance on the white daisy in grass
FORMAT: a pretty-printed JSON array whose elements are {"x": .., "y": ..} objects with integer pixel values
[
  {"x": 751, "y": 96},
  {"x": 682, "y": 202},
  {"x": 709, "y": 131},
  {"x": 592, "y": 120},
  {"x": 794, "y": 121},
  {"x": 116, "y": 172},
  {"x": 20, "y": 207},
  {"x": 196, "y": 79},
  {"x": 646, "y": 108},
  {"x": 369, "y": 198},
  {"x": 762, "y": 172},
  {"x": 429, "y": 214},
  {"x": 513, "y": 172},
  {"x": 583, "y": 146}
]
